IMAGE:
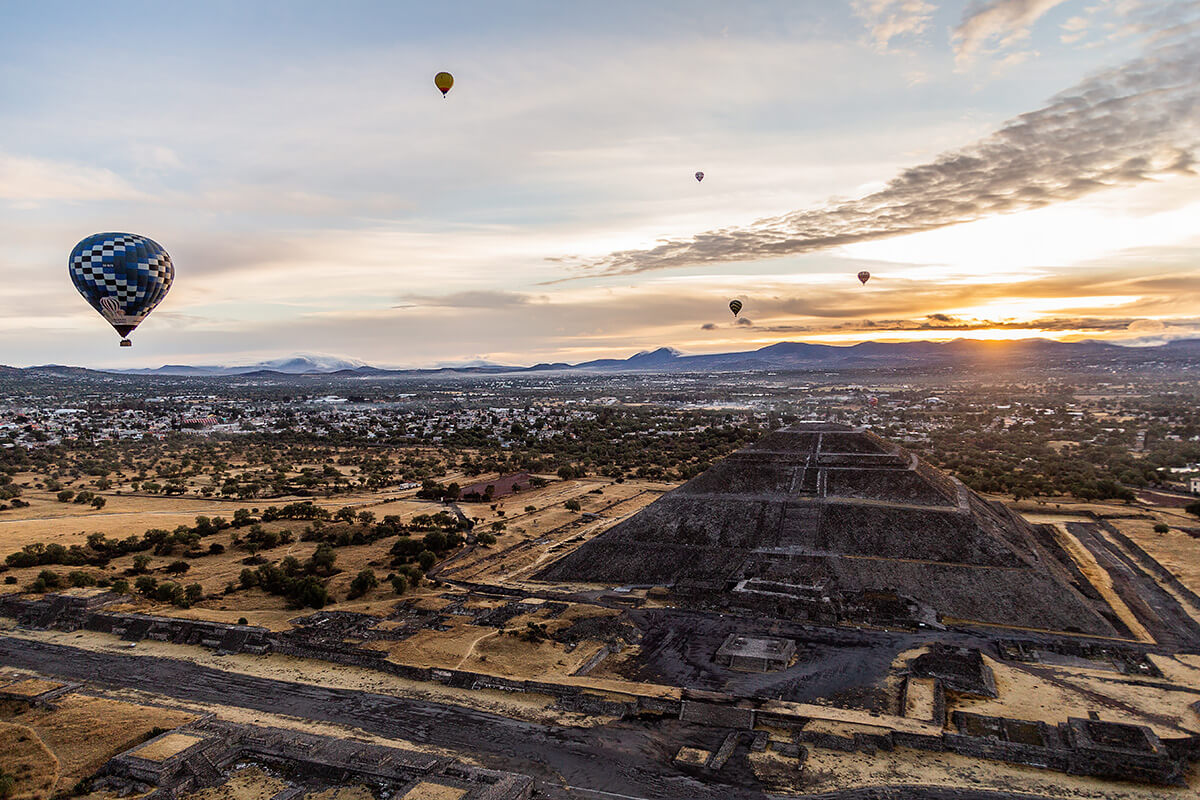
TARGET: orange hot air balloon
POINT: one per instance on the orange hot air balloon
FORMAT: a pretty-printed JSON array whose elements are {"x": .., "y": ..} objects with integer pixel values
[{"x": 443, "y": 81}]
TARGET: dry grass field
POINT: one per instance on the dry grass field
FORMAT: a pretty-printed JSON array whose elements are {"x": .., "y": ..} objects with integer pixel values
[
  {"x": 248, "y": 783},
  {"x": 1052, "y": 694},
  {"x": 83, "y": 732},
  {"x": 26, "y": 758},
  {"x": 829, "y": 770}
]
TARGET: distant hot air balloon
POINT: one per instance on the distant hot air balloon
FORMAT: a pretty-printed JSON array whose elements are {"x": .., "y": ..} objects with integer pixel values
[
  {"x": 735, "y": 306},
  {"x": 872, "y": 401},
  {"x": 864, "y": 276},
  {"x": 699, "y": 177},
  {"x": 443, "y": 81},
  {"x": 123, "y": 276}
]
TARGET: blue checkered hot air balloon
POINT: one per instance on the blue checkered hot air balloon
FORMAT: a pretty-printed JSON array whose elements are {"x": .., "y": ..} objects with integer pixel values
[{"x": 123, "y": 276}]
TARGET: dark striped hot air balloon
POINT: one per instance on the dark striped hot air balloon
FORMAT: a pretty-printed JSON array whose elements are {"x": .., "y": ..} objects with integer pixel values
[
  {"x": 864, "y": 276},
  {"x": 735, "y": 306},
  {"x": 123, "y": 276}
]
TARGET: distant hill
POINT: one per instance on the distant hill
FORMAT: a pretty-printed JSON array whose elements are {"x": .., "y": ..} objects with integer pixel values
[{"x": 780, "y": 356}]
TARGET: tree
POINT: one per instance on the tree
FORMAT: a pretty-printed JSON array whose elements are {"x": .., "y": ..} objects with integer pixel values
[
  {"x": 366, "y": 518},
  {"x": 1162, "y": 527},
  {"x": 323, "y": 558},
  {"x": 193, "y": 593},
  {"x": 146, "y": 585},
  {"x": 426, "y": 559},
  {"x": 140, "y": 564},
  {"x": 363, "y": 582},
  {"x": 178, "y": 567},
  {"x": 435, "y": 541},
  {"x": 120, "y": 586},
  {"x": 345, "y": 514},
  {"x": 65, "y": 496},
  {"x": 1193, "y": 508},
  {"x": 399, "y": 583},
  {"x": 572, "y": 505}
]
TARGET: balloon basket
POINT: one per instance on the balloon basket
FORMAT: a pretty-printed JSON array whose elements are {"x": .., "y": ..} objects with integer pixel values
[{"x": 126, "y": 343}]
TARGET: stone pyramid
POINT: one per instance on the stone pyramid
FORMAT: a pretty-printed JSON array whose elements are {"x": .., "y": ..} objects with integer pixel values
[{"x": 838, "y": 511}]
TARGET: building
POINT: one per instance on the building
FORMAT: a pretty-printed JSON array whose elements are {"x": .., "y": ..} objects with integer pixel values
[{"x": 755, "y": 654}]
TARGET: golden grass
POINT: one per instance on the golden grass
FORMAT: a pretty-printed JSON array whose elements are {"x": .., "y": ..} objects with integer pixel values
[
  {"x": 164, "y": 747},
  {"x": 84, "y": 732},
  {"x": 433, "y": 791},
  {"x": 1099, "y": 578},
  {"x": 30, "y": 687},
  {"x": 250, "y": 783},
  {"x": 25, "y": 757}
]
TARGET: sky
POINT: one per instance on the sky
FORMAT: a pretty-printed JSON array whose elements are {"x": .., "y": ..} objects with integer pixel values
[{"x": 1003, "y": 168}]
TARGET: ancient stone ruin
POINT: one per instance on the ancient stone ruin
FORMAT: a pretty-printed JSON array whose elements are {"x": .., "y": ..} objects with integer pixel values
[{"x": 825, "y": 522}]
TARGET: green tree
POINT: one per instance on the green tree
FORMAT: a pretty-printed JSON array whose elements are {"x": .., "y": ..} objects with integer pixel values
[{"x": 363, "y": 582}]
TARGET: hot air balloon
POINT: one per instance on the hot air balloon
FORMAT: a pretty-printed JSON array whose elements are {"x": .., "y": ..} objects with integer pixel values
[
  {"x": 872, "y": 401},
  {"x": 735, "y": 306},
  {"x": 864, "y": 276},
  {"x": 123, "y": 276},
  {"x": 699, "y": 177},
  {"x": 443, "y": 81}
]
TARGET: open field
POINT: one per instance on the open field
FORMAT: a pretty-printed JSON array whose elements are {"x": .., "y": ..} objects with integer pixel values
[
  {"x": 83, "y": 732},
  {"x": 25, "y": 757}
]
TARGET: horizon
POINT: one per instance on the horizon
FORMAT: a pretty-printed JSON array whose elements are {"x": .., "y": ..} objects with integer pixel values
[
  {"x": 1005, "y": 171},
  {"x": 350, "y": 363}
]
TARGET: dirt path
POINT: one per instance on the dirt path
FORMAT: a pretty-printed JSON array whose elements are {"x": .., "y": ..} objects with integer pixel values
[{"x": 471, "y": 650}]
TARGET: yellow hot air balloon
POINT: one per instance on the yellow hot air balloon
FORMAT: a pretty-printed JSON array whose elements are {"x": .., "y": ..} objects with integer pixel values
[{"x": 443, "y": 81}]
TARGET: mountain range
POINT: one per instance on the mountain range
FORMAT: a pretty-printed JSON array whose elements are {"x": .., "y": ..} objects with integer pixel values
[{"x": 780, "y": 356}]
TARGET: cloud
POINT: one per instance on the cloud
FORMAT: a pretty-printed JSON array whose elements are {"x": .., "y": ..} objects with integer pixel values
[
  {"x": 743, "y": 321},
  {"x": 708, "y": 326},
  {"x": 889, "y": 19},
  {"x": 999, "y": 23},
  {"x": 1124, "y": 126},
  {"x": 28, "y": 180},
  {"x": 470, "y": 299}
]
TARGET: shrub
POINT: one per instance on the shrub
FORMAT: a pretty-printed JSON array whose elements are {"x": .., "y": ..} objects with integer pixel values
[
  {"x": 572, "y": 505},
  {"x": 80, "y": 578},
  {"x": 178, "y": 567},
  {"x": 426, "y": 559},
  {"x": 48, "y": 579},
  {"x": 1162, "y": 527}
]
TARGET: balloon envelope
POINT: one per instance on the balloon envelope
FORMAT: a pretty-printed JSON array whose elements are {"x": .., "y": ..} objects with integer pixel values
[
  {"x": 699, "y": 177},
  {"x": 864, "y": 276},
  {"x": 735, "y": 306},
  {"x": 443, "y": 81},
  {"x": 121, "y": 275}
]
